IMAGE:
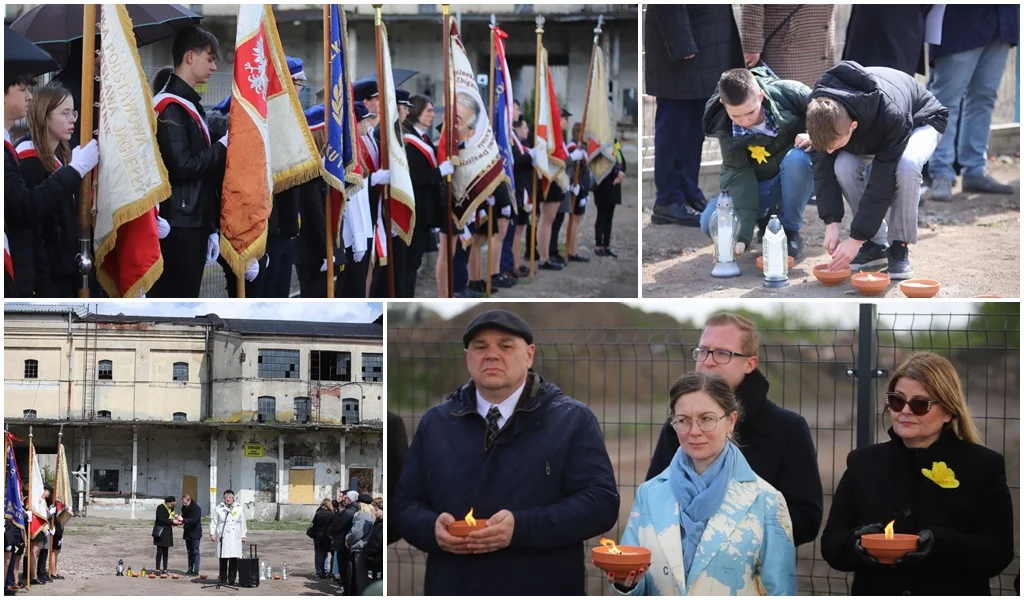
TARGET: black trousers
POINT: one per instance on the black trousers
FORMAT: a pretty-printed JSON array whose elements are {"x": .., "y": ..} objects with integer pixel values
[
  {"x": 421, "y": 239},
  {"x": 344, "y": 559},
  {"x": 603, "y": 226},
  {"x": 360, "y": 573},
  {"x": 278, "y": 280},
  {"x": 353, "y": 278},
  {"x": 161, "y": 555},
  {"x": 678, "y": 142},
  {"x": 555, "y": 228},
  {"x": 398, "y": 258},
  {"x": 184, "y": 252},
  {"x": 228, "y": 570},
  {"x": 253, "y": 289}
]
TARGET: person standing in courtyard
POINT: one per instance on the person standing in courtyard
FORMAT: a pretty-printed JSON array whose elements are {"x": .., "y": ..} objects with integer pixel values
[
  {"x": 228, "y": 530},
  {"x": 163, "y": 533},
  {"x": 192, "y": 528},
  {"x": 527, "y": 459}
]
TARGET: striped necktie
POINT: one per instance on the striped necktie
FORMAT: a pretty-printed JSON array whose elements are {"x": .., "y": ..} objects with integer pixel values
[{"x": 492, "y": 424}]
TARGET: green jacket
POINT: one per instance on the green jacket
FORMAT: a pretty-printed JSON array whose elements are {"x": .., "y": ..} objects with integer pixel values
[{"x": 787, "y": 100}]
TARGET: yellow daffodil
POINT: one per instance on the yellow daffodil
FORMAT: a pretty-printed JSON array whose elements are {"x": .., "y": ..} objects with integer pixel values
[
  {"x": 759, "y": 153},
  {"x": 942, "y": 475}
]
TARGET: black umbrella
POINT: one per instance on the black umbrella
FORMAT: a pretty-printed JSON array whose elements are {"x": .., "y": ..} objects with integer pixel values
[
  {"x": 399, "y": 76},
  {"x": 53, "y": 27},
  {"x": 21, "y": 57}
]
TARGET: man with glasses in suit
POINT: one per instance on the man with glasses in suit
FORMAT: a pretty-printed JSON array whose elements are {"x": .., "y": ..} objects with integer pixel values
[{"x": 775, "y": 441}]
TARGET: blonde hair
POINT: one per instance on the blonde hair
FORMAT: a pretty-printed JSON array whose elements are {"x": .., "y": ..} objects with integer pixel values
[
  {"x": 940, "y": 380},
  {"x": 326, "y": 503},
  {"x": 827, "y": 121},
  {"x": 46, "y": 100},
  {"x": 750, "y": 339},
  {"x": 366, "y": 507}
]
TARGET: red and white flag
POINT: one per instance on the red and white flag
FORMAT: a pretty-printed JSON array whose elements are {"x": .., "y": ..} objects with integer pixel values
[
  {"x": 8, "y": 263},
  {"x": 131, "y": 179},
  {"x": 403, "y": 198},
  {"x": 551, "y": 153},
  {"x": 599, "y": 135},
  {"x": 36, "y": 502}
]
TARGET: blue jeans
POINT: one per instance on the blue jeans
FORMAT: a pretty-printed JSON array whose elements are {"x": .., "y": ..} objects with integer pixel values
[
  {"x": 973, "y": 76},
  {"x": 320, "y": 561},
  {"x": 192, "y": 546},
  {"x": 791, "y": 188}
]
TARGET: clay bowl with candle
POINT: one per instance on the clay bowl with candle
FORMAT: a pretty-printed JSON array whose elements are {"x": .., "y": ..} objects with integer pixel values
[
  {"x": 163, "y": 576},
  {"x": 919, "y": 288},
  {"x": 831, "y": 278},
  {"x": 633, "y": 558},
  {"x": 152, "y": 575},
  {"x": 463, "y": 529},
  {"x": 871, "y": 283},
  {"x": 175, "y": 576},
  {"x": 886, "y": 551},
  {"x": 203, "y": 576},
  {"x": 760, "y": 262}
]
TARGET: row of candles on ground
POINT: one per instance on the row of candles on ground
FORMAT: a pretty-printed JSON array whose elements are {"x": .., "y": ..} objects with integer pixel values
[
  {"x": 775, "y": 261},
  {"x": 265, "y": 572}
]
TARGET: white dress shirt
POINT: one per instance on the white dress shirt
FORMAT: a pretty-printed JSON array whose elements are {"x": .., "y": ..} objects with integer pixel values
[{"x": 506, "y": 408}]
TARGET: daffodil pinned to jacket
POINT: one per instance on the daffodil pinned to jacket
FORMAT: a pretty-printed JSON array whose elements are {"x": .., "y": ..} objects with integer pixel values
[
  {"x": 759, "y": 153},
  {"x": 942, "y": 475}
]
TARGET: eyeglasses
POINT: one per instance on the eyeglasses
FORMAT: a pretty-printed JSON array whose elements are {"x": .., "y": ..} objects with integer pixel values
[
  {"x": 70, "y": 115},
  {"x": 722, "y": 357},
  {"x": 706, "y": 423},
  {"x": 918, "y": 406},
  {"x": 299, "y": 85}
]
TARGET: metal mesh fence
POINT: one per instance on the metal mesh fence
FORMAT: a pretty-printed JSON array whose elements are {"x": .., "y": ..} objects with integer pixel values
[{"x": 624, "y": 375}]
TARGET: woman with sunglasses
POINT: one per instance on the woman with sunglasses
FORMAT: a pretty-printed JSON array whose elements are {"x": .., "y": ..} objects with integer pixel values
[
  {"x": 713, "y": 526},
  {"x": 932, "y": 478}
]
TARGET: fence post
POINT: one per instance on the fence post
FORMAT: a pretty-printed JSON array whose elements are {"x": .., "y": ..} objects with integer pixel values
[
  {"x": 866, "y": 373},
  {"x": 1016, "y": 86}
]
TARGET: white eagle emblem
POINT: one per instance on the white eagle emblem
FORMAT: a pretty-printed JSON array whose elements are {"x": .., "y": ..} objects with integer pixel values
[{"x": 258, "y": 80}]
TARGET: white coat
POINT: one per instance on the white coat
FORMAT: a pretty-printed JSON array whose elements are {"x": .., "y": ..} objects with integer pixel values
[{"x": 228, "y": 523}]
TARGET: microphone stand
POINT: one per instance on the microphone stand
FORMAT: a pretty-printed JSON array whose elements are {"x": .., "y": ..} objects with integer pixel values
[{"x": 220, "y": 553}]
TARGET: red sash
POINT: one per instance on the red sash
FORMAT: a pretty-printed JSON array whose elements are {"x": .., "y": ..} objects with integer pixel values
[
  {"x": 423, "y": 147},
  {"x": 27, "y": 149},
  {"x": 163, "y": 99},
  {"x": 10, "y": 148}
]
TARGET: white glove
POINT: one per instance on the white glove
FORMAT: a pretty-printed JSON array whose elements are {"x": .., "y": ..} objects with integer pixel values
[
  {"x": 446, "y": 168},
  {"x": 163, "y": 228},
  {"x": 578, "y": 154},
  {"x": 533, "y": 154},
  {"x": 323, "y": 267},
  {"x": 576, "y": 190},
  {"x": 53, "y": 532},
  {"x": 212, "y": 249},
  {"x": 490, "y": 200},
  {"x": 528, "y": 207},
  {"x": 506, "y": 212},
  {"x": 252, "y": 271},
  {"x": 52, "y": 510},
  {"x": 582, "y": 201},
  {"x": 85, "y": 159},
  {"x": 382, "y": 177},
  {"x": 481, "y": 215}
]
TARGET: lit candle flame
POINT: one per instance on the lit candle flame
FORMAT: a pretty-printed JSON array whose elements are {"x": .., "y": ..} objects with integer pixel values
[
  {"x": 610, "y": 544},
  {"x": 469, "y": 518},
  {"x": 871, "y": 278},
  {"x": 888, "y": 530}
]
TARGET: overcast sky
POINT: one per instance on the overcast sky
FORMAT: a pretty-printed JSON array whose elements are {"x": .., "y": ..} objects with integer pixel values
[{"x": 337, "y": 311}]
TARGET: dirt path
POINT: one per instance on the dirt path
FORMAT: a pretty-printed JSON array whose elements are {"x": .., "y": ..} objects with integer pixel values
[
  {"x": 600, "y": 278},
  {"x": 971, "y": 245}
]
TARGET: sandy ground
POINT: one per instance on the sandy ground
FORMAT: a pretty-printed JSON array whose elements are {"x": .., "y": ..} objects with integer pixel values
[
  {"x": 92, "y": 547},
  {"x": 600, "y": 278},
  {"x": 970, "y": 245}
]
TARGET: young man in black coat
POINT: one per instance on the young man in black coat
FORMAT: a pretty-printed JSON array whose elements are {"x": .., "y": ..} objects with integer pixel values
[
  {"x": 529, "y": 461},
  {"x": 775, "y": 441},
  {"x": 192, "y": 528},
  {"x": 25, "y": 209},
  {"x": 195, "y": 166},
  {"x": 873, "y": 129},
  {"x": 339, "y": 529}
]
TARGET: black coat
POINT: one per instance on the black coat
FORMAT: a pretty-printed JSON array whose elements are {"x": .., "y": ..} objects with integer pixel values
[
  {"x": 778, "y": 445},
  {"x": 322, "y": 520},
  {"x": 192, "y": 515},
  {"x": 195, "y": 166},
  {"x": 374, "y": 549},
  {"x": 972, "y": 523},
  {"x": 522, "y": 168},
  {"x": 969, "y": 26},
  {"x": 25, "y": 210},
  {"x": 675, "y": 31},
  {"x": 548, "y": 465},
  {"x": 58, "y": 232},
  {"x": 887, "y": 106},
  {"x": 426, "y": 184},
  {"x": 163, "y": 519},
  {"x": 311, "y": 245},
  {"x": 284, "y": 216},
  {"x": 341, "y": 524},
  {"x": 887, "y": 35},
  {"x": 609, "y": 193},
  {"x": 398, "y": 447}
]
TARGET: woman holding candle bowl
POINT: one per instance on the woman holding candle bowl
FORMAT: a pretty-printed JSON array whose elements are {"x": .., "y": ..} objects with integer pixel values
[
  {"x": 713, "y": 527},
  {"x": 933, "y": 480}
]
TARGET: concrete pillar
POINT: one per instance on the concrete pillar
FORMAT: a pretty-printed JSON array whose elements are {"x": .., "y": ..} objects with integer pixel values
[
  {"x": 88, "y": 468},
  {"x": 613, "y": 73},
  {"x": 281, "y": 499},
  {"x": 135, "y": 466},
  {"x": 214, "y": 434},
  {"x": 343, "y": 469}
]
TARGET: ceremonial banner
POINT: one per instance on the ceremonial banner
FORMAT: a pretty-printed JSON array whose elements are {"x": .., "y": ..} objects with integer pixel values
[
  {"x": 503, "y": 104},
  {"x": 479, "y": 169},
  {"x": 551, "y": 153},
  {"x": 270, "y": 148},
  {"x": 599, "y": 135},
  {"x": 403, "y": 203},
  {"x": 62, "y": 497},
  {"x": 8, "y": 263},
  {"x": 131, "y": 179},
  {"x": 36, "y": 502},
  {"x": 342, "y": 170},
  {"x": 14, "y": 510}
]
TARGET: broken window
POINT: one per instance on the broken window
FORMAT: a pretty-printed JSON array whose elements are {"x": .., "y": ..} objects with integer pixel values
[
  {"x": 278, "y": 364},
  {"x": 373, "y": 367},
  {"x": 325, "y": 365}
]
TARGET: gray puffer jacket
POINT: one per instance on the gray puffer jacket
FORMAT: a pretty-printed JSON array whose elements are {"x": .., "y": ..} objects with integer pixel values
[{"x": 362, "y": 524}]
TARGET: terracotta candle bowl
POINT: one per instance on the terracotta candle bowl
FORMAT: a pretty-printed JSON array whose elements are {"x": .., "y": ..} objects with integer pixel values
[
  {"x": 870, "y": 284},
  {"x": 152, "y": 575},
  {"x": 277, "y": 577},
  {"x": 760, "y": 262},
  {"x": 633, "y": 558},
  {"x": 919, "y": 288},
  {"x": 887, "y": 551},
  {"x": 175, "y": 576},
  {"x": 203, "y": 576},
  {"x": 163, "y": 576},
  {"x": 463, "y": 529},
  {"x": 831, "y": 278}
]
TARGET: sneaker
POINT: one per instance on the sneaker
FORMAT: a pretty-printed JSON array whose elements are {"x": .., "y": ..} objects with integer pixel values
[
  {"x": 899, "y": 261},
  {"x": 676, "y": 214},
  {"x": 870, "y": 255},
  {"x": 985, "y": 184},
  {"x": 942, "y": 189},
  {"x": 795, "y": 246}
]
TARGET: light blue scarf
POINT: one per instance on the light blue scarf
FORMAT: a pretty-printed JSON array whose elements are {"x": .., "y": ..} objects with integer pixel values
[{"x": 699, "y": 496}]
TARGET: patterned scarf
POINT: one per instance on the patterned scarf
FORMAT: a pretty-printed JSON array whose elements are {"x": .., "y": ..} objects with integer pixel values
[{"x": 699, "y": 496}]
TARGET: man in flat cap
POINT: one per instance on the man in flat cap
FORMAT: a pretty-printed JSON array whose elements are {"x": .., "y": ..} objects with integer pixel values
[{"x": 529, "y": 461}]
